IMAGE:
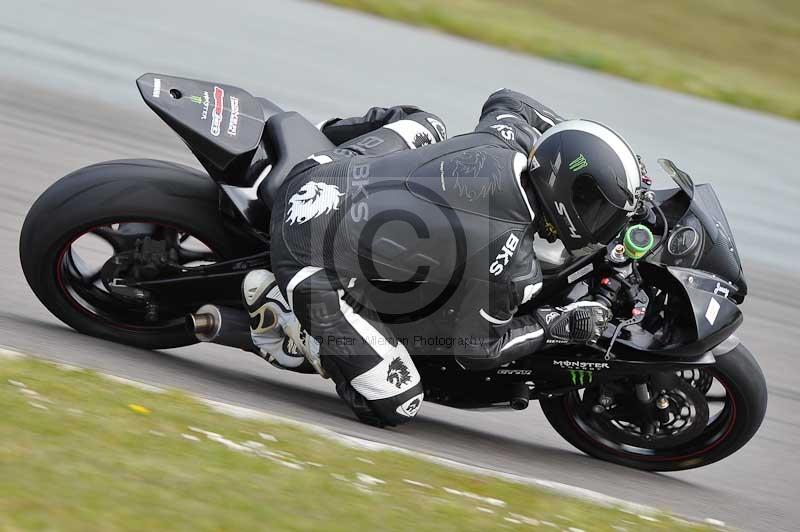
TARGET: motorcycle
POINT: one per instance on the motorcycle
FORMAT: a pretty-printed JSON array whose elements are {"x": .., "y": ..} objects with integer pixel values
[{"x": 129, "y": 250}]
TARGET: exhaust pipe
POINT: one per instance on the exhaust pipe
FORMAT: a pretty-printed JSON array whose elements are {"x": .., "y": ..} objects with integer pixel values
[{"x": 222, "y": 325}]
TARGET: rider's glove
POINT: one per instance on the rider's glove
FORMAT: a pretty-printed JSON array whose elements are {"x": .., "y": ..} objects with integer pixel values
[{"x": 578, "y": 323}]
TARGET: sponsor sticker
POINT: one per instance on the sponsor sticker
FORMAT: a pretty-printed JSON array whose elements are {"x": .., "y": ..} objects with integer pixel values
[
  {"x": 514, "y": 372},
  {"x": 203, "y": 101},
  {"x": 579, "y": 163},
  {"x": 577, "y": 364},
  {"x": 580, "y": 376},
  {"x": 233, "y": 121},
  {"x": 206, "y": 101},
  {"x": 216, "y": 114},
  {"x": 722, "y": 290}
]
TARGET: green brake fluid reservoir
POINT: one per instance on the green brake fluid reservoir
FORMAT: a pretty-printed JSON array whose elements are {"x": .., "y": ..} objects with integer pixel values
[{"x": 638, "y": 241}]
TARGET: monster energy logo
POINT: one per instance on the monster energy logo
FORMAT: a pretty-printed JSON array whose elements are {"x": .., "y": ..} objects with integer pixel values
[
  {"x": 579, "y": 163},
  {"x": 580, "y": 376},
  {"x": 196, "y": 99}
]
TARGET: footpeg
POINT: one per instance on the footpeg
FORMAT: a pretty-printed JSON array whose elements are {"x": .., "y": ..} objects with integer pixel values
[{"x": 520, "y": 396}]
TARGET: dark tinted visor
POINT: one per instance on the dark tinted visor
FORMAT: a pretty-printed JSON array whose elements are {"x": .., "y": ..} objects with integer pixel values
[{"x": 598, "y": 215}]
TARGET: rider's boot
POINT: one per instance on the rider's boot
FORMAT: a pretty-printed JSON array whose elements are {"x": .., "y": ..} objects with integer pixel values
[
  {"x": 578, "y": 323},
  {"x": 273, "y": 326}
]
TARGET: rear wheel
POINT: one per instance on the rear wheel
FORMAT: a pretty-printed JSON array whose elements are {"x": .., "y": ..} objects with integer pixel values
[
  {"x": 93, "y": 232},
  {"x": 693, "y": 418}
]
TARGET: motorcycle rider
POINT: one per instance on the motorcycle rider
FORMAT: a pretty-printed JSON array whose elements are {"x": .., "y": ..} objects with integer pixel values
[{"x": 399, "y": 201}]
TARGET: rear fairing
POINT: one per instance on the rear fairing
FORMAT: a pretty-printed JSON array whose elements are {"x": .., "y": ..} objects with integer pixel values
[{"x": 221, "y": 124}]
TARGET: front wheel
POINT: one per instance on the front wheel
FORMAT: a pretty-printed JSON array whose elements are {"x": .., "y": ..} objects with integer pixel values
[{"x": 699, "y": 418}]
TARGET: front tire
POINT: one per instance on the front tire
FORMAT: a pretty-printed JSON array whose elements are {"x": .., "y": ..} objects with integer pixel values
[
  {"x": 106, "y": 195},
  {"x": 746, "y": 404}
]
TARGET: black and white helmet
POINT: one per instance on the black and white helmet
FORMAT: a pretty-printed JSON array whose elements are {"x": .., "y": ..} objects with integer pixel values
[{"x": 586, "y": 177}]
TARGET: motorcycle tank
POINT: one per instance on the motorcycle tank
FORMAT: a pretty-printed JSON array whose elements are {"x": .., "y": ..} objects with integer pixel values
[{"x": 221, "y": 124}]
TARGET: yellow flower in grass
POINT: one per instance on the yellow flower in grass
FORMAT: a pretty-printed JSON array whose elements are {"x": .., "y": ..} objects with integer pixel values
[{"x": 139, "y": 409}]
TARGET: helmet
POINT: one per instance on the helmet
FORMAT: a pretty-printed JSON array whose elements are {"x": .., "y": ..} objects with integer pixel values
[{"x": 585, "y": 177}]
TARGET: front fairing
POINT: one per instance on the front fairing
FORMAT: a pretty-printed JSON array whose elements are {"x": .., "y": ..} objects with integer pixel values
[
  {"x": 700, "y": 235},
  {"x": 715, "y": 315},
  {"x": 704, "y": 314}
]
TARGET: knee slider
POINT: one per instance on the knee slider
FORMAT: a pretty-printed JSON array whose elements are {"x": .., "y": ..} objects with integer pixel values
[{"x": 399, "y": 409}]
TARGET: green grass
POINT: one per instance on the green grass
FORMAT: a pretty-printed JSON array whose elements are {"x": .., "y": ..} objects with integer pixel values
[
  {"x": 743, "y": 52},
  {"x": 79, "y": 452}
]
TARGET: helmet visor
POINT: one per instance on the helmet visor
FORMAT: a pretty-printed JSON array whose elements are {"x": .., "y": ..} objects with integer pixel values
[{"x": 600, "y": 217}]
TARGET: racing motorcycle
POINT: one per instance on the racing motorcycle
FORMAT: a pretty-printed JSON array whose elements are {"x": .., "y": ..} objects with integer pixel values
[{"x": 126, "y": 250}]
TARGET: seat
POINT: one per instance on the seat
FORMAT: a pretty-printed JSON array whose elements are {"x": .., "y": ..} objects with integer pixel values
[{"x": 291, "y": 139}]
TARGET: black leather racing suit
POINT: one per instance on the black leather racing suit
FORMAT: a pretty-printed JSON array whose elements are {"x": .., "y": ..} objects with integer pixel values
[{"x": 397, "y": 201}]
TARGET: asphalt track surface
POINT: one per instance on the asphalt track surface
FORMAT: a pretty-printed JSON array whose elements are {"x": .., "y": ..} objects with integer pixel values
[{"x": 67, "y": 99}]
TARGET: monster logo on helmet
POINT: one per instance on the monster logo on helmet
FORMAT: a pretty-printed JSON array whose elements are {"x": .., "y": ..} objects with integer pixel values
[{"x": 587, "y": 200}]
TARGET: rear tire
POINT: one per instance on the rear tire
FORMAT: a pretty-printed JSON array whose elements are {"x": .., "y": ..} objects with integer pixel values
[
  {"x": 743, "y": 381},
  {"x": 115, "y": 192}
]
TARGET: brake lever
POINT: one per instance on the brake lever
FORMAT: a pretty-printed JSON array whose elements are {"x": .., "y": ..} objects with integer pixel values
[{"x": 637, "y": 315}]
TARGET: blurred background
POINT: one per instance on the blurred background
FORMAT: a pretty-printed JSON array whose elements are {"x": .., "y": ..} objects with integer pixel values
[{"x": 67, "y": 72}]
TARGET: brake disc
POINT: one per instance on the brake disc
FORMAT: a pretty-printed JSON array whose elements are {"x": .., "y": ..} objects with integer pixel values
[{"x": 687, "y": 415}]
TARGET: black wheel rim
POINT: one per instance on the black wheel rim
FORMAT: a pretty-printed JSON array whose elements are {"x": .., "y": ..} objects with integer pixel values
[
  {"x": 80, "y": 270},
  {"x": 722, "y": 416}
]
